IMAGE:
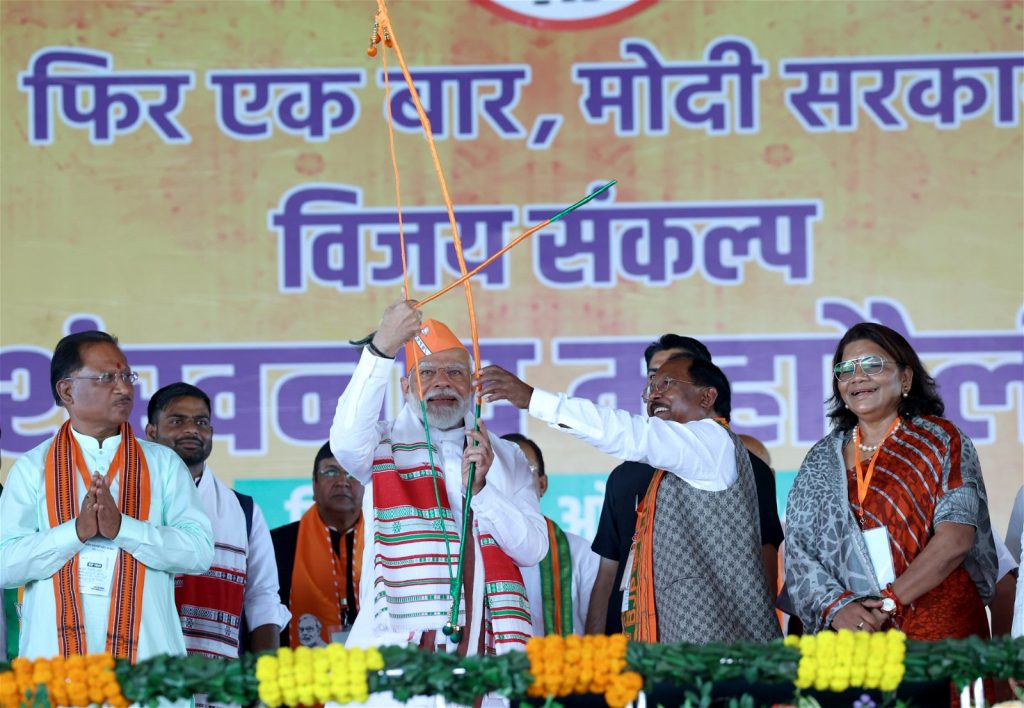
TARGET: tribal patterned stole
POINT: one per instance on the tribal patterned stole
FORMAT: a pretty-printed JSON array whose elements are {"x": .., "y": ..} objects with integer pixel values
[
  {"x": 416, "y": 548},
  {"x": 63, "y": 459},
  {"x": 556, "y": 583}
]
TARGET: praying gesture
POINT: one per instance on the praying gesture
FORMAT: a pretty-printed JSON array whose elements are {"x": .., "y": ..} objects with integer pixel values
[{"x": 99, "y": 513}]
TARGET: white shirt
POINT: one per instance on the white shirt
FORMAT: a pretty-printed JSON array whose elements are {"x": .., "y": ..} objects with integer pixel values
[
  {"x": 176, "y": 539},
  {"x": 506, "y": 507},
  {"x": 584, "y": 572},
  {"x": 700, "y": 453},
  {"x": 262, "y": 602}
]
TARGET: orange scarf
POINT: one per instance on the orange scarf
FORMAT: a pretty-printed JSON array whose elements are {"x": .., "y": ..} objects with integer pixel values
[
  {"x": 62, "y": 505},
  {"x": 320, "y": 578},
  {"x": 640, "y": 620}
]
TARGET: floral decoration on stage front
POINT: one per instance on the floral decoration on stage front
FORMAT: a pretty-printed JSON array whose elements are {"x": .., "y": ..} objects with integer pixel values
[
  {"x": 551, "y": 667},
  {"x": 563, "y": 666},
  {"x": 837, "y": 661},
  {"x": 75, "y": 681},
  {"x": 304, "y": 676}
]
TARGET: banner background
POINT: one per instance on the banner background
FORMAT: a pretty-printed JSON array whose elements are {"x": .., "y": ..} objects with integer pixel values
[{"x": 172, "y": 246}]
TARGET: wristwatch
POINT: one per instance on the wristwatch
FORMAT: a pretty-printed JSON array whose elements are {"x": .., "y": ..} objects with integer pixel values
[{"x": 888, "y": 606}]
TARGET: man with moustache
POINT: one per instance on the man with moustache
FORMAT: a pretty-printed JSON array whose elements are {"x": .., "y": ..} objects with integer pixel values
[
  {"x": 95, "y": 523},
  {"x": 627, "y": 485},
  {"x": 695, "y": 571},
  {"x": 414, "y": 508},
  {"x": 234, "y": 606},
  {"x": 319, "y": 557}
]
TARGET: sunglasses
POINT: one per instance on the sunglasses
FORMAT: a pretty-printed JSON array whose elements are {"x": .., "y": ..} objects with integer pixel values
[{"x": 871, "y": 365}]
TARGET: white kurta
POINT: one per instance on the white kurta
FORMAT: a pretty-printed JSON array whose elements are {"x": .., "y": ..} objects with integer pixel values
[
  {"x": 584, "y": 571},
  {"x": 507, "y": 506},
  {"x": 251, "y": 556},
  {"x": 700, "y": 453},
  {"x": 176, "y": 539}
]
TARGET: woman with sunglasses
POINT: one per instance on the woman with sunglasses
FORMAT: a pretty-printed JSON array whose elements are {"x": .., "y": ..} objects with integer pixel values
[{"x": 887, "y": 523}]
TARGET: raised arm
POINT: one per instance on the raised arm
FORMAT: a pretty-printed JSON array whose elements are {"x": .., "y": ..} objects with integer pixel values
[
  {"x": 698, "y": 452},
  {"x": 353, "y": 433}
]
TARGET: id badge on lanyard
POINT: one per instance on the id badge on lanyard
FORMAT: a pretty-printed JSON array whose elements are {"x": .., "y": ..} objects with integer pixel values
[{"x": 96, "y": 566}]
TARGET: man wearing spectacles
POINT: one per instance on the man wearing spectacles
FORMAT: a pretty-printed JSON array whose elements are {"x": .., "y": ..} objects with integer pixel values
[
  {"x": 95, "y": 523},
  {"x": 628, "y": 483},
  {"x": 560, "y": 586},
  {"x": 416, "y": 468},
  {"x": 695, "y": 572},
  {"x": 319, "y": 557},
  {"x": 239, "y": 592}
]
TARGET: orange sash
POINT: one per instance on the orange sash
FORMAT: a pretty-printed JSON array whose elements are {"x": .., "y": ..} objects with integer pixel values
[
  {"x": 320, "y": 578},
  {"x": 62, "y": 505},
  {"x": 640, "y": 620}
]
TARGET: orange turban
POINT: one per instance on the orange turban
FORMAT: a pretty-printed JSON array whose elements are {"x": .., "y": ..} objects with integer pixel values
[{"x": 434, "y": 337}]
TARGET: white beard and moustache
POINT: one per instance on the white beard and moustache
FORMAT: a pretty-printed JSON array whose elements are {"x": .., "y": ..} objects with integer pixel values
[{"x": 442, "y": 418}]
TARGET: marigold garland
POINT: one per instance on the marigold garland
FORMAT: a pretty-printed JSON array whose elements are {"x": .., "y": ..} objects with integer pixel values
[
  {"x": 304, "y": 676},
  {"x": 75, "y": 681},
  {"x": 562, "y": 666},
  {"x": 836, "y": 661}
]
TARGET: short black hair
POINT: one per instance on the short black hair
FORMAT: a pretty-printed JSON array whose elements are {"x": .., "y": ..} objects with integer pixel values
[
  {"x": 676, "y": 341},
  {"x": 923, "y": 397},
  {"x": 67, "y": 356},
  {"x": 521, "y": 439},
  {"x": 706, "y": 373},
  {"x": 172, "y": 392},
  {"x": 323, "y": 453}
]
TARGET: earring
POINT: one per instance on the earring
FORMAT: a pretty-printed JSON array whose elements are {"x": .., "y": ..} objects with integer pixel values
[{"x": 904, "y": 394}]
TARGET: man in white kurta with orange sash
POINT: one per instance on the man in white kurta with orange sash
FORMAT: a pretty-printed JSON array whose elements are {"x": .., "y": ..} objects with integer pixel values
[
  {"x": 413, "y": 503},
  {"x": 95, "y": 523}
]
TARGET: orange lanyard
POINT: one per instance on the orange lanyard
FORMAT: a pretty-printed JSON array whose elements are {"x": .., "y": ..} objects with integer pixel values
[{"x": 864, "y": 481}]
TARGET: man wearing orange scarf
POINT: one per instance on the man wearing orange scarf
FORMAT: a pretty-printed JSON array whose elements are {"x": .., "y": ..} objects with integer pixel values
[
  {"x": 95, "y": 523},
  {"x": 695, "y": 572},
  {"x": 319, "y": 558},
  {"x": 415, "y": 521}
]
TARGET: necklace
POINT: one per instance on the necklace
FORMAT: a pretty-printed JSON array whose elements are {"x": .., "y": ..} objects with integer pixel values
[{"x": 868, "y": 449}]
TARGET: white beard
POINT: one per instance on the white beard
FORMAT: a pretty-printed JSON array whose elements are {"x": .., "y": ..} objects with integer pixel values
[{"x": 442, "y": 418}]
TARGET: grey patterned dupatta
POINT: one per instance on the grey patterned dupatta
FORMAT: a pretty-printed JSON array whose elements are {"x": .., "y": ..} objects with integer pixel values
[{"x": 826, "y": 560}]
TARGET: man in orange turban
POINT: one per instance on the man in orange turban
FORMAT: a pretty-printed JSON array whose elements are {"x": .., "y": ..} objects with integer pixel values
[{"x": 416, "y": 474}]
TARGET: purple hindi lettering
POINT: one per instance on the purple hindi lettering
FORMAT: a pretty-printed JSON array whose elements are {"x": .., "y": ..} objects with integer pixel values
[
  {"x": 89, "y": 93},
  {"x": 658, "y": 250},
  {"x": 312, "y": 103},
  {"x": 968, "y": 387},
  {"x": 610, "y": 90},
  {"x": 743, "y": 76},
  {"x": 775, "y": 234},
  {"x": 430, "y": 246},
  {"x": 944, "y": 90},
  {"x": 463, "y": 92},
  {"x": 949, "y": 90},
  {"x": 319, "y": 239}
]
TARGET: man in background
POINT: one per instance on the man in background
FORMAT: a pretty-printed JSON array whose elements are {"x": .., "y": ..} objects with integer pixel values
[
  {"x": 319, "y": 557},
  {"x": 239, "y": 591}
]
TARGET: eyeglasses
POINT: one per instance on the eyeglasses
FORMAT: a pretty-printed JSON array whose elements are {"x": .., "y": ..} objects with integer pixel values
[
  {"x": 453, "y": 373},
  {"x": 659, "y": 387},
  {"x": 107, "y": 378},
  {"x": 871, "y": 365},
  {"x": 332, "y": 473}
]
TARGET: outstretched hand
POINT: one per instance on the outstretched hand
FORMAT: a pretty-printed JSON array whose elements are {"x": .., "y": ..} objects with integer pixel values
[
  {"x": 496, "y": 384},
  {"x": 399, "y": 323}
]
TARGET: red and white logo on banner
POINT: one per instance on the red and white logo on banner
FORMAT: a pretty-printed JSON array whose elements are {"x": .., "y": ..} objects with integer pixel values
[{"x": 566, "y": 14}]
